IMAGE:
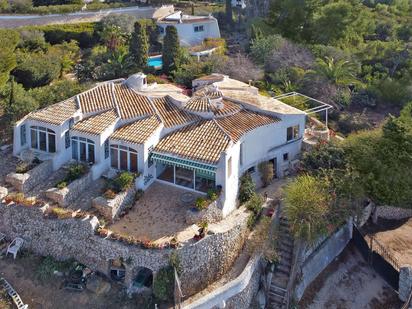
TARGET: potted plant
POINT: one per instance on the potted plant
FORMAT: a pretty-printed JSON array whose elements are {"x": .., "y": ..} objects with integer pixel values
[
  {"x": 174, "y": 243},
  {"x": 203, "y": 228}
]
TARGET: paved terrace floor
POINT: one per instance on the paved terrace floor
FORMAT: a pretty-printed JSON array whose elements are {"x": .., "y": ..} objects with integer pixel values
[{"x": 158, "y": 216}]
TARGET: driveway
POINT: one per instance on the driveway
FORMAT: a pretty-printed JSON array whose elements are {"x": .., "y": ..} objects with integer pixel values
[{"x": 14, "y": 21}]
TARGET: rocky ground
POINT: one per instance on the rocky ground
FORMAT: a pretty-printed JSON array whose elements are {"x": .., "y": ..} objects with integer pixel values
[
  {"x": 349, "y": 283},
  {"x": 21, "y": 274}
]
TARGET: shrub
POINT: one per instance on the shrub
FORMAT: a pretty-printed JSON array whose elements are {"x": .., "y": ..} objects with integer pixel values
[
  {"x": 201, "y": 203},
  {"x": 61, "y": 184},
  {"x": 251, "y": 221},
  {"x": 109, "y": 194},
  {"x": 212, "y": 195},
  {"x": 22, "y": 167},
  {"x": 255, "y": 204},
  {"x": 49, "y": 265},
  {"x": 124, "y": 181},
  {"x": 247, "y": 188},
  {"x": 266, "y": 172},
  {"x": 163, "y": 285},
  {"x": 60, "y": 213},
  {"x": 76, "y": 171}
]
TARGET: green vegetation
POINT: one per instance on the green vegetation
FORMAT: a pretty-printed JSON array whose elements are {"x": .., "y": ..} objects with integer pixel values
[
  {"x": 163, "y": 284},
  {"x": 139, "y": 45},
  {"x": 120, "y": 183},
  {"x": 49, "y": 265},
  {"x": 171, "y": 50},
  {"x": 247, "y": 188},
  {"x": 75, "y": 171}
]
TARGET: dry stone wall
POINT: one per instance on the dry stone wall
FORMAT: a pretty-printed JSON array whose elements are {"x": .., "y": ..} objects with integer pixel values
[
  {"x": 27, "y": 181},
  {"x": 111, "y": 208},
  {"x": 202, "y": 262}
]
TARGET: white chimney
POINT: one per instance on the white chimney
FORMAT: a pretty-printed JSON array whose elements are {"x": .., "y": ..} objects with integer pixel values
[{"x": 137, "y": 81}]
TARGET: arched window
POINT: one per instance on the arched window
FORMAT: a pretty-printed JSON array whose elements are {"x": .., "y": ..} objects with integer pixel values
[
  {"x": 123, "y": 158},
  {"x": 43, "y": 139},
  {"x": 83, "y": 149}
]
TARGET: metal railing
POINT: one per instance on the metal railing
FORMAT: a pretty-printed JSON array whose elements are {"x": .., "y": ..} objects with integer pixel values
[{"x": 375, "y": 245}]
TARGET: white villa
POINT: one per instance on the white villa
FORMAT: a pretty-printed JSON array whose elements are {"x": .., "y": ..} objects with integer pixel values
[
  {"x": 200, "y": 142},
  {"x": 192, "y": 30}
]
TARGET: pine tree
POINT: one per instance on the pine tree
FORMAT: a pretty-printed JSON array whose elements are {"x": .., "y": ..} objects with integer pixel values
[
  {"x": 171, "y": 50},
  {"x": 139, "y": 45}
]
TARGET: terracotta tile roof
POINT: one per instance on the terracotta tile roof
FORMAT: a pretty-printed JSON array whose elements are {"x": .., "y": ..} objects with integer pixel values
[
  {"x": 130, "y": 103},
  {"x": 57, "y": 113},
  {"x": 170, "y": 114},
  {"x": 228, "y": 108},
  {"x": 209, "y": 92},
  {"x": 218, "y": 108},
  {"x": 96, "y": 124},
  {"x": 198, "y": 104},
  {"x": 99, "y": 98},
  {"x": 137, "y": 132},
  {"x": 243, "y": 122},
  {"x": 202, "y": 141}
]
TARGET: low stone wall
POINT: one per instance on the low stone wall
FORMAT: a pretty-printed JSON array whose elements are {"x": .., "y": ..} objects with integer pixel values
[
  {"x": 393, "y": 213},
  {"x": 27, "y": 181},
  {"x": 236, "y": 294},
  {"x": 111, "y": 208},
  {"x": 202, "y": 262},
  {"x": 211, "y": 214},
  {"x": 364, "y": 217},
  {"x": 405, "y": 282},
  {"x": 315, "y": 259},
  {"x": 64, "y": 197}
]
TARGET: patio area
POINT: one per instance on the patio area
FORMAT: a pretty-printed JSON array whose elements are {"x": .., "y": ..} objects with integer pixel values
[{"x": 159, "y": 215}]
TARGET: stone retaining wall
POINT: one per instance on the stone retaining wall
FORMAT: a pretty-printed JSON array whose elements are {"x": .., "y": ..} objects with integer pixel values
[
  {"x": 320, "y": 257},
  {"x": 405, "y": 282},
  {"x": 202, "y": 262},
  {"x": 64, "y": 197},
  {"x": 394, "y": 213},
  {"x": 236, "y": 294},
  {"x": 111, "y": 208},
  {"x": 27, "y": 181}
]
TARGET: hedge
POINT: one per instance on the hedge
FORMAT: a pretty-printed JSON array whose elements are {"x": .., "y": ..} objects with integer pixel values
[{"x": 55, "y": 34}]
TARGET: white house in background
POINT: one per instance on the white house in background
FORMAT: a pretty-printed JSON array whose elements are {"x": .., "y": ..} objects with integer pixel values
[
  {"x": 192, "y": 30},
  {"x": 239, "y": 4},
  {"x": 199, "y": 143}
]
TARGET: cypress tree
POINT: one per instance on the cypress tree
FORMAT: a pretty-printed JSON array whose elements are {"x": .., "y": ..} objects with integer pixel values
[
  {"x": 171, "y": 50},
  {"x": 139, "y": 45}
]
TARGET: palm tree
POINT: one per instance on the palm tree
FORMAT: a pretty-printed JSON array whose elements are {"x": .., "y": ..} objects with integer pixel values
[{"x": 339, "y": 72}]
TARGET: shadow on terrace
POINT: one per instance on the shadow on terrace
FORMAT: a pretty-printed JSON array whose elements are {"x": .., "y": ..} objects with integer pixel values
[{"x": 159, "y": 215}]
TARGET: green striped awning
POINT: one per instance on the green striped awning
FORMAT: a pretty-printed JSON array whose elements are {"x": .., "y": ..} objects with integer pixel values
[{"x": 203, "y": 168}]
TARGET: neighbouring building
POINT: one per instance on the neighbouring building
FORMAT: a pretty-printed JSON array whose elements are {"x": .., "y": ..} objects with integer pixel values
[
  {"x": 192, "y": 30},
  {"x": 202, "y": 142}
]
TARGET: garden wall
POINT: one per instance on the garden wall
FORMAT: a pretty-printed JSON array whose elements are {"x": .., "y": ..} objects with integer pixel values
[
  {"x": 202, "y": 262},
  {"x": 315, "y": 259},
  {"x": 236, "y": 294},
  {"x": 394, "y": 213},
  {"x": 68, "y": 195},
  {"x": 405, "y": 282},
  {"x": 111, "y": 208},
  {"x": 27, "y": 181}
]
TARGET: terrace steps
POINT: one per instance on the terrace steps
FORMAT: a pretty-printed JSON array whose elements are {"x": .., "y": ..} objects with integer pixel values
[{"x": 278, "y": 287}]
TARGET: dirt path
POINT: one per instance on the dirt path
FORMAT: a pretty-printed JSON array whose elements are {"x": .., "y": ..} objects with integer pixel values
[{"x": 349, "y": 283}]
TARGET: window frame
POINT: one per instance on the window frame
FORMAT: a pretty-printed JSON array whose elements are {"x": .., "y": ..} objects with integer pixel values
[
  {"x": 292, "y": 133},
  {"x": 38, "y": 131},
  {"x": 199, "y": 28},
  {"x": 88, "y": 144},
  {"x": 119, "y": 149}
]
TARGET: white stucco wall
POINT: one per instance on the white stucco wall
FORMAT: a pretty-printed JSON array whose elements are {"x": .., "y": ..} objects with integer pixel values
[{"x": 187, "y": 34}]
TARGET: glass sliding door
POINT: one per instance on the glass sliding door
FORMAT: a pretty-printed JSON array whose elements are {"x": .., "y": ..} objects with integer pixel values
[
  {"x": 123, "y": 158},
  {"x": 83, "y": 149},
  {"x": 184, "y": 177},
  {"x": 204, "y": 181}
]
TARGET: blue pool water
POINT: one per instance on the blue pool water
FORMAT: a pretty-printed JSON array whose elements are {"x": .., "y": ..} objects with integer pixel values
[{"x": 156, "y": 62}]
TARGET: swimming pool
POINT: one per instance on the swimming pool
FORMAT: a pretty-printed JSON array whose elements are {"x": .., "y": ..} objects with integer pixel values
[{"x": 155, "y": 62}]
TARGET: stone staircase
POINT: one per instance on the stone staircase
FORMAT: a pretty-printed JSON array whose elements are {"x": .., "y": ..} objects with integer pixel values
[{"x": 280, "y": 277}]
